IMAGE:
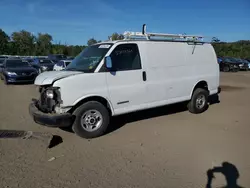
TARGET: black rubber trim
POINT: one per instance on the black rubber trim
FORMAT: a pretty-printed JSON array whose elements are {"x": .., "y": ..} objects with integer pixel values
[
  {"x": 123, "y": 102},
  {"x": 219, "y": 90},
  {"x": 50, "y": 120}
]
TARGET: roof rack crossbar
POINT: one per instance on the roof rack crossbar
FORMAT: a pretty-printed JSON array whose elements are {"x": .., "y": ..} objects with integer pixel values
[{"x": 162, "y": 36}]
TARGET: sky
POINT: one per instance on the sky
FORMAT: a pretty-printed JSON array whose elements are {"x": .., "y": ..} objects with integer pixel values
[{"x": 74, "y": 22}]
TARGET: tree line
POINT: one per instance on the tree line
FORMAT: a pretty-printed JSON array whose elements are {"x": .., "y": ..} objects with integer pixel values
[{"x": 25, "y": 43}]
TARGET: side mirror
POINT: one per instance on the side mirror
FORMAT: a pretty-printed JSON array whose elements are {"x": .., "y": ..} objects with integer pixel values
[{"x": 108, "y": 62}]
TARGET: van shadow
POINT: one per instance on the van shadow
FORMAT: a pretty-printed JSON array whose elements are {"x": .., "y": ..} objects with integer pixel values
[
  {"x": 230, "y": 172},
  {"x": 118, "y": 122}
]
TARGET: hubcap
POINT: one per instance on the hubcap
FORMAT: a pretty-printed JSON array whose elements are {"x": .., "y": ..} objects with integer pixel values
[
  {"x": 91, "y": 120},
  {"x": 200, "y": 101}
]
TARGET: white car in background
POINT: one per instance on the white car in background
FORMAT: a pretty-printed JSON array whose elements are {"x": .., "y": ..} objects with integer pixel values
[{"x": 61, "y": 65}]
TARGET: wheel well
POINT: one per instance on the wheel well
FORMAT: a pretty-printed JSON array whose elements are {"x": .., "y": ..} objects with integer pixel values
[
  {"x": 93, "y": 98},
  {"x": 202, "y": 84}
]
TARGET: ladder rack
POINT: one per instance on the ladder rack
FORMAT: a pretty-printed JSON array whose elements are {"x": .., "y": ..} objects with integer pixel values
[{"x": 128, "y": 35}]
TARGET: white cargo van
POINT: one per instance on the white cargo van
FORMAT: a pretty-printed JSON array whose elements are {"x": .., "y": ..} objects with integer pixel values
[{"x": 118, "y": 77}]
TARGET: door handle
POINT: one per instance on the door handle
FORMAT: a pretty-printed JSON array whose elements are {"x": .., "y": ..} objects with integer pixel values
[{"x": 144, "y": 76}]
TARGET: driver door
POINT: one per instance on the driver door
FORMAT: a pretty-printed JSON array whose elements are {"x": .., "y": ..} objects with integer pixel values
[{"x": 126, "y": 83}]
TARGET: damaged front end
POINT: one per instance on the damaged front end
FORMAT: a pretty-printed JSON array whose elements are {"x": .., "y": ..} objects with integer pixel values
[
  {"x": 50, "y": 98},
  {"x": 45, "y": 110}
]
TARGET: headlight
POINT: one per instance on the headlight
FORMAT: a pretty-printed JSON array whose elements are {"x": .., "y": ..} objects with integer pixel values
[
  {"x": 50, "y": 94},
  {"x": 43, "y": 68},
  {"x": 11, "y": 73}
]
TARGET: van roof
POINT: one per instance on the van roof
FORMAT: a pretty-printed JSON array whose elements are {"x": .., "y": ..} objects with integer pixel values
[{"x": 138, "y": 40}]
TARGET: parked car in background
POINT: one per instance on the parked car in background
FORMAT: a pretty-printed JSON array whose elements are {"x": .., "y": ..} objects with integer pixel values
[
  {"x": 16, "y": 70},
  {"x": 3, "y": 56},
  {"x": 56, "y": 57},
  {"x": 61, "y": 65},
  {"x": 242, "y": 64},
  {"x": 219, "y": 60},
  {"x": 227, "y": 65},
  {"x": 248, "y": 63},
  {"x": 43, "y": 64}
]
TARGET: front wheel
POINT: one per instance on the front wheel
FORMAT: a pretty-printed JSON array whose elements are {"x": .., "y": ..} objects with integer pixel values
[
  {"x": 226, "y": 69},
  {"x": 5, "y": 80},
  {"x": 199, "y": 101},
  {"x": 91, "y": 120}
]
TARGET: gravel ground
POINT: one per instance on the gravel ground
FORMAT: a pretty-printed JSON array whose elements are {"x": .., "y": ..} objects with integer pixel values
[{"x": 163, "y": 147}]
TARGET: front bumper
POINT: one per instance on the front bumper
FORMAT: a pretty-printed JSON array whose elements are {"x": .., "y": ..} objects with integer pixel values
[
  {"x": 18, "y": 79},
  {"x": 244, "y": 67},
  {"x": 50, "y": 120}
]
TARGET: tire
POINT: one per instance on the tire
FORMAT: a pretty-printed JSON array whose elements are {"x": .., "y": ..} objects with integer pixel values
[
  {"x": 101, "y": 118},
  {"x": 226, "y": 69},
  {"x": 194, "y": 106},
  {"x": 5, "y": 81}
]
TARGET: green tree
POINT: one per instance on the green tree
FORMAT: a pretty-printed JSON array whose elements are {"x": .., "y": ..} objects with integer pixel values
[
  {"x": 43, "y": 44},
  {"x": 91, "y": 41},
  {"x": 116, "y": 36},
  {"x": 25, "y": 42},
  {"x": 4, "y": 39}
]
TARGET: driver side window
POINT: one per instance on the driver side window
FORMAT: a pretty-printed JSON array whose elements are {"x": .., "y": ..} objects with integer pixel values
[{"x": 126, "y": 57}]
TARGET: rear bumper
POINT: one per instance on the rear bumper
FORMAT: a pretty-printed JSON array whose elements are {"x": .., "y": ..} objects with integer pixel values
[{"x": 50, "y": 120}]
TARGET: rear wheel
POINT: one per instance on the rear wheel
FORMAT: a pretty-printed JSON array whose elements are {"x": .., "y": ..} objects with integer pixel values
[
  {"x": 199, "y": 101},
  {"x": 91, "y": 120}
]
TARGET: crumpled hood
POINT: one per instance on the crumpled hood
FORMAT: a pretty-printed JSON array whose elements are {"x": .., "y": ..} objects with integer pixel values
[{"x": 49, "y": 77}]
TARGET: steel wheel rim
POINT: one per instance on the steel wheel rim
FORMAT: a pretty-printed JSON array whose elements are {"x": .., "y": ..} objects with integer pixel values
[
  {"x": 200, "y": 101},
  {"x": 91, "y": 120}
]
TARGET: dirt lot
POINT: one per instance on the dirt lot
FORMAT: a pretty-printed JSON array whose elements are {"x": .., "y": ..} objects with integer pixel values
[{"x": 165, "y": 147}]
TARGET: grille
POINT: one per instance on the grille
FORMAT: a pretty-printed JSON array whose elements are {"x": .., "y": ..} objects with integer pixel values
[{"x": 24, "y": 73}]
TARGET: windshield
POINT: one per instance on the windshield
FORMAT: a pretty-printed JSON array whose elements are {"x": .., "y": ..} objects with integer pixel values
[
  {"x": 16, "y": 63},
  {"x": 67, "y": 63},
  {"x": 239, "y": 60},
  {"x": 89, "y": 58},
  {"x": 227, "y": 60},
  {"x": 45, "y": 61}
]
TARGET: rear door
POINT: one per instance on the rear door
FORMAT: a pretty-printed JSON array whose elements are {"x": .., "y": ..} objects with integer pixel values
[{"x": 126, "y": 83}]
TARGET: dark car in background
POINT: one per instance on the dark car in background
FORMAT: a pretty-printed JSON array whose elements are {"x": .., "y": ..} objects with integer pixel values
[
  {"x": 242, "y": 64},
  {"x": 16, "y": 71},
  {"x": 248, "y": 62},
  {"x": 56, "y": 57},
  {"x": 227, "y": 65},
  {"x": 42, "y": 64}
]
